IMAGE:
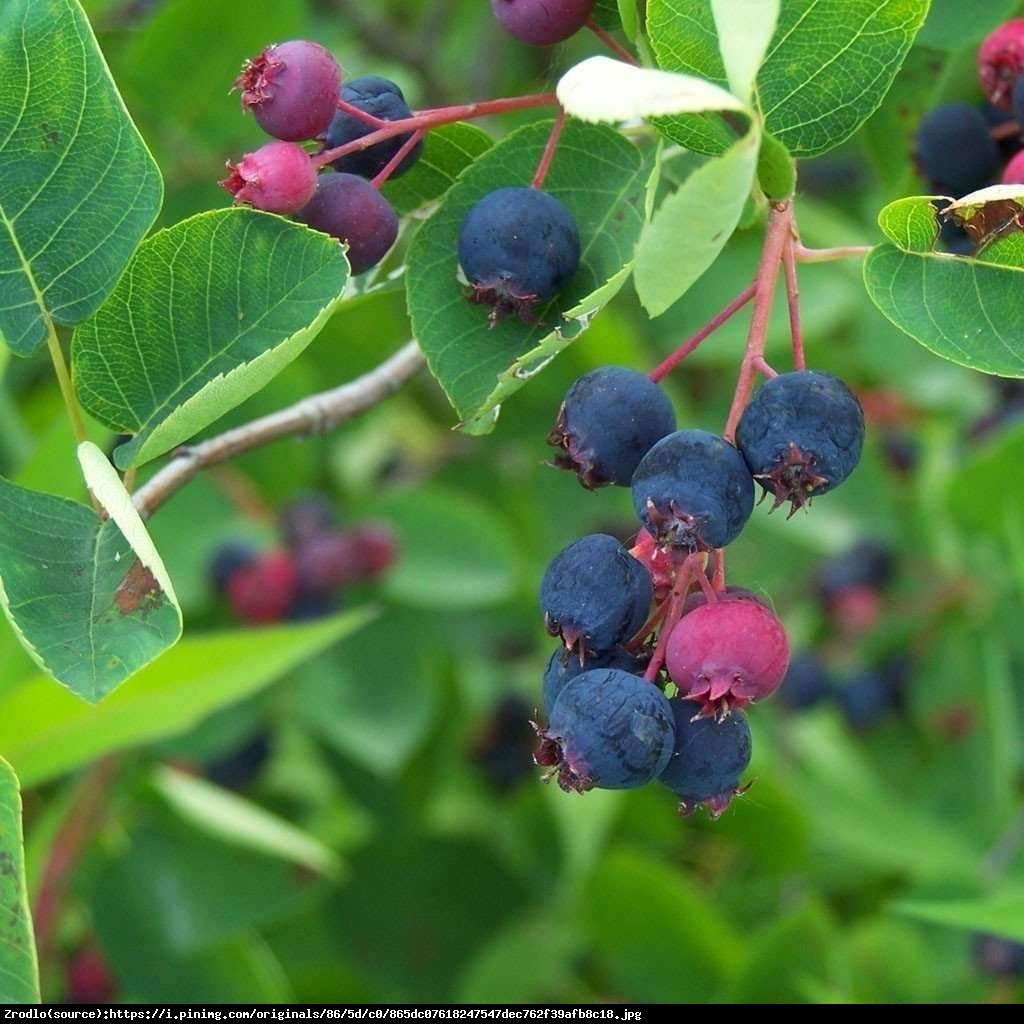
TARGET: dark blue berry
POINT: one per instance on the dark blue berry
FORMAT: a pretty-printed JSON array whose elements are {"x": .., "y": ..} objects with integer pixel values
[
  {"x": 693, "y": 491},
  {"x": 999, "y": 957},
  {"x": 306, "y": 517},
  {"x": 1018, "y": 104},
  {"x": 381, "y": 98},
  {"x": 868, "y": 564},
  {"x": 801, "y": 435},
  {"x": 595, "y": 595},
  {"x": 518, "y": 248},
  {"x": 867, "y": 699},
  {"x": 955, "y": 149},
  {"x": 237, "y": 768},
  {"x": 609, "y": 729},
  {"x": 565, "y": 666},
  {"x": 807, "y": 683},
  {"x": 609, "y": 420},
  {"x": 709, "y": 757},
  {"x": 227, "y": 560},
  {"x": 995, "y": 117},
  {"x": 953, "y": 238},
  {"x": 503, "y": 747}
]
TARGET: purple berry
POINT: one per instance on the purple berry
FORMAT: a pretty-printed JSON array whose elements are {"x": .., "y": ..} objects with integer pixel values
[
  {"x": 353, "y": 211},
  {"x": 291, "y": 89},
  {"x": 279, "y": 178},
  {"x": 306, "y": 517},
  {"x": 998, "y": 956},
  {"x": 955, "y": 149},
  {"x": 542, "y": 22}
]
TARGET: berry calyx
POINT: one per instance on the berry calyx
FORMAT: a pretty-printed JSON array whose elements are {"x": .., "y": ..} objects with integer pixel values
[
  {"x": 661, "y": 563},
  {"x": 608, "y": 730},
  {"x": 595, "y": 595},
  {"x": 291, "y": 89},
  {"x": 609, "y": 420},
  {"x": 801, "y": 436},
  {"x": 265, "y": 590},
  {"x": 350, "y": 209},
  {"x": 693, "y": 491},
  {"x": 955, "y": 149},
  {"x": 518, "y": 247},
  {"x": 708, "y": 759},
  {"x": 1001, "y": 61},
  {"x": 542, "y": 22},
  {"x": 381, "y": 98},
  {"x": 727, "y": 654},
  {"x": 279, "y": 178}
]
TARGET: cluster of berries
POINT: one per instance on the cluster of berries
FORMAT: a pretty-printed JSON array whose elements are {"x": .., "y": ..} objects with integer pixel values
[
  {"x": 625, "y": 615},
  {"x": 961, "y": 148},
  {"x": 304, "y": 578}
]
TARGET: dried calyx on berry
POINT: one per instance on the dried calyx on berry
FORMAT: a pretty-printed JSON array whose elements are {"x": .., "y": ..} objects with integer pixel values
[
  {"x": 278, "y": 178},
  {"x": 542, "y": 22}
]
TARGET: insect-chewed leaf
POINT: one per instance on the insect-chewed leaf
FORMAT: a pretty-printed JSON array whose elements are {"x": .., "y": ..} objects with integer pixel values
[
  {"x": 78, "y": 188},
  {"x": 88, "y": 596},
  {"x": 207, "y": 312}
]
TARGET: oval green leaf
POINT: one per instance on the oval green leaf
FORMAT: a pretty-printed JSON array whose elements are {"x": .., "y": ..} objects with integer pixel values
[{"x": 19, "y": 971}]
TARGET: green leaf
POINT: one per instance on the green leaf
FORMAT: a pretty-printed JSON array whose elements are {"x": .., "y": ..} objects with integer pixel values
[
  {"x": 78, "y": 188},
  {"x": 1002, "y": 734},
  {"x": 776, "y": 169},
  {"x": 911, "y": 224},
  {"x": 208, "y": 311},
  {"x": 89, "y": 599},
  {"x": 630, "y": 18},
  {"x": 827, "y": 69},
  {"x": 1001, "y": 913},
  {"x": 705, "y": 211},
  {"x": 45, "y": 732},
  {"x": 602, "y": 178},
  {"x": 987, "y": 490},
  {"x": 447, "y": 152},
  {"x": 19, "y": 972},
  {"x": 966, "y": 311},
  {"x": 955, "y": 25},
  {"x": 745, "y": 28}
]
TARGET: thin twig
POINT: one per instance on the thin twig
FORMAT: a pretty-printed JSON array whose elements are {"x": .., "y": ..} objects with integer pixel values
[
  {"x": 396, "y": 161},
  {"x": 549, "y": 152},
  {"x": 360, "y": 115},
  {"x": 839, "y": 252},
  {"x": 793, "y": 296},
  {"x": 611, "y": 42}
]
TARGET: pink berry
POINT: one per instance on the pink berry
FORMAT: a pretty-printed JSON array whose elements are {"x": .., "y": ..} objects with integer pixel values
[
  {"x": 376, "y": 549},
  {"x": 292, "y": 89},
  {"x": 266, "y": 590},
  {"x": 326, "y": 563},
  {"x": 542, "y": 22},
  {"x": 89, "y": 977},
  {"x": 1001, "y": 61},
  {"x": 728, "y": 654},
  {"x": 1014, "y": 173},
  {"x": 279, "y": 178}
]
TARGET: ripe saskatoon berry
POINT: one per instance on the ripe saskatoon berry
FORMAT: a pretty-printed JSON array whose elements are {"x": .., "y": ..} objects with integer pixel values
[
  {"x": 502, "y": 749},
  {"x": 867, "y": 565},
  {"x": 807, "y": 683},
  {"x": 1014, "y": 172},
  {"x": 292, "y": 89},
  {"x": 1001, "y": 61},
  {"x": 1018, "y": 106},
  {"x": 382, "y": 99},
  {"x": 563, "y": 667},
  {"x": 353, "y": 211},
  {"x": 279, "y": 178},
  {"x": 326, "y": 563},
  {"x": 954, "y": 239},
  {"x": 306, "y": 517},
  {"x": 227, "y": 560},
  {"x": 693, "y": 491},
  {"x": 608, "y": 729},
  {"x": 609, "y": 420},
  {"x": 727, "y": 654},
  {"x": 708, "y": 759},
  {"x": 239, "y": 767},
  {"x": 518, "y": 248},
  {"x": 998, "y": 956},
  {"x": 595, "y": 595},
  {"x": 542, "y": 22},
  {"x": 265, "y": 591},
  {"x": 867, "y": 699},
  {"x": 801, "y": 436},
  {"x": 955, "y": 149}
]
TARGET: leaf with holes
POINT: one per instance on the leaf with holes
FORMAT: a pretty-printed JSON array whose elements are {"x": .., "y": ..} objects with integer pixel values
[
  {"x": 78, "y": 188},
  {"x": 19, "y": 972},
  {"x": 603, "y": 180},
  {"x": 208, "y": 312},
  {"x": 89, "y": 597},
  {"x": 827, "y": 68}
]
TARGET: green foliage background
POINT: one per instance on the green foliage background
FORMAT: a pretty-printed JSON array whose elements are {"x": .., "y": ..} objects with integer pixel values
[{"x": 856, "y": 867}]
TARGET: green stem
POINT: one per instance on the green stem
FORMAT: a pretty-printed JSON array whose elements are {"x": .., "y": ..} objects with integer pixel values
[{"x": 66, "y": 388}]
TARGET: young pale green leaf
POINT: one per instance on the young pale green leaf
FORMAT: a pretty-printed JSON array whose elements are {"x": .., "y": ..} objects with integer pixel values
[
  {"x": 88, "y": 597},
  {"x": 46, "y": 732},
  {"x": 207, "y": 312},
  {"x": 601, "y": 89},
  {"x": 603, "y": 179},
  {"x": 19, "y": 972},
  {"x": 78, "y": 188},
  {"x": 1001, "y": 913},
  {"x": 776, "y": 169},
  {"x": 827, "y": 68},
  {"x": 704, "y": 212},
  {"x": 745, "y": 28},
  {"x": 630, "y": 18},
  {"x": 447, "y": 152}
]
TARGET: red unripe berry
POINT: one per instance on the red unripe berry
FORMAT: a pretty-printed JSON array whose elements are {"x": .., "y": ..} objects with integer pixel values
[
  {"x": 291, "y": 89},
  {"x": 89, "y": 978},
  {"x": 856, "y": 610},
  {"x": 1014, "y": 173},
  {"x": 266, "y": 590},
  {"x": 542, "y": 22},
  {"x": 376, "y": 549},
  {"x": 728, "y": 654},
  {"x": 279, "y": 178},
  {"x": 326, "y": 563},
  {"x": 1001, "y": 61}
]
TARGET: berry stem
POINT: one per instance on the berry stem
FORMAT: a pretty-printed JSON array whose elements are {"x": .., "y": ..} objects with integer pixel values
[
  {"x": 839, "y": 252},
  {"x": 793, "y": 296},
  {"x": 668, "y": 365},
  {"x": 765, "y": 368},
  {"x": 719, "y": 570},
  {"x": 648, "y": 627},
  {"x": 67, "y": 389},
  {"x": 1007, "y": 130},
  {"x": 549, "y": 152},
  {"x": 392, "y": 165},
  {"x": 424, "y": 120},
  {"x": 692, "y": 565},
  {"x": 611, "y": 42},
  {"x": 361, "y": 115}
]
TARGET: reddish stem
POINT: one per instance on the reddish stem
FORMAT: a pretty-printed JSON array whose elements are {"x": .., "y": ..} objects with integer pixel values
[
  {"x": 648, "y": 627},
  {"x": 719, "y": 571},
  {"x": 764, "y": 367},
  {"x": 392, "y": 165},
  {"x": 427, "y": 119},
  {"x": 361, "y": 115},
  {"x": 1007, "y": 130},
  {"x": 793, "y": 296},
  {"x": 549, "y": 152},
  {"x": 611, "y": 42},
  {"x": 839, "y": 252},
  {"x": 692, "y": 565},
  {"x": 705, "y": 585},
  {"x": 667, "y": 366}
]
